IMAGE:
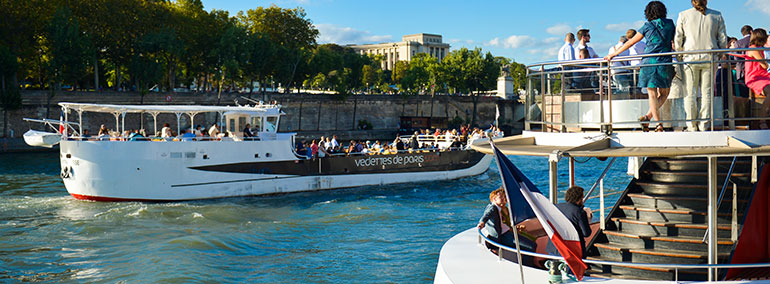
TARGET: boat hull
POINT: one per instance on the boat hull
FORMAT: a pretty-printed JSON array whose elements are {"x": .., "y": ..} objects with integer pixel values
[{"x": 168, "y": 171}]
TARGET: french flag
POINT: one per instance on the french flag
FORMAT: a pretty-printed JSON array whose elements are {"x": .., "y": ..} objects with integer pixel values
[
  {"x": 524, "y": 197},
  {"x": 61, "y": 123}
]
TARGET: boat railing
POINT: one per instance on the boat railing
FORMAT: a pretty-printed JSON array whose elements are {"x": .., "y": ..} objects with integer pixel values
[
  {"x": 573, "y": 96},
  {"x": 483, "y": 238}
]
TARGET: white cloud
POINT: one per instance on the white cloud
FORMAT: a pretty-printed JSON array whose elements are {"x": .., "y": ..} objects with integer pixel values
[
  {"x": 559, "y": 29},
  {"x": 514, "y": 41},
  {"x": 622, "y": 27},
  {"x": 552, "y": 40},
  {"x": 329, "y": 33},
  {"x": 760, "y": 5}
]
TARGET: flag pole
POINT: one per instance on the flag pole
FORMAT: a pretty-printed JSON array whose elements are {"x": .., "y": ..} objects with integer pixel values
[{"x": 510, "y": 215}]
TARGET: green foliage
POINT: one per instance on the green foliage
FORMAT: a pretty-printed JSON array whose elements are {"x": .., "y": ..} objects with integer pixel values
[{"x": 167, "y": 43}]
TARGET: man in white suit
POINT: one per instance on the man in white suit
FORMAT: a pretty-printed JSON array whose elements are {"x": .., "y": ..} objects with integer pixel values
[{"x": 699, "y": 28}]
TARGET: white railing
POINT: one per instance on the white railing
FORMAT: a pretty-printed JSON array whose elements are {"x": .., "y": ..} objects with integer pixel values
[{"x": 599, "y": 82}]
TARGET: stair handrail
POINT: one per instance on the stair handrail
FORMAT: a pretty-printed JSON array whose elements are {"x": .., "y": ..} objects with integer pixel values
[
  {"x": 722, "y": 194},
  {"x": 483, "y": 238},
  {"x": 596, "y": 183}
]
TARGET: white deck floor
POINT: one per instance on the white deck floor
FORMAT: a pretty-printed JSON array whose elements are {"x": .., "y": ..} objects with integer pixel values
[{"x": 463, "y": 260}]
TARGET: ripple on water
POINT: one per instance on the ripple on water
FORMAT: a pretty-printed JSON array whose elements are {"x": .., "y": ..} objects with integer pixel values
[{"x": 371, "y": 234}]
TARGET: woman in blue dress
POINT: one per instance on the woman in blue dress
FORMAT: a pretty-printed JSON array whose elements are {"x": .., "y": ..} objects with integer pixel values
[{"x": 658, "y": 32}]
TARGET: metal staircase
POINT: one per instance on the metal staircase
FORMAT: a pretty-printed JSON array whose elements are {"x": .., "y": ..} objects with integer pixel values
[{"x": 661, "y": 218}]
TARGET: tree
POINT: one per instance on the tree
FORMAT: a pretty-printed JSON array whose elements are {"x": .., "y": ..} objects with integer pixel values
[
  {"x": 9, "y": 92},
  {"x": 470, "y": 71},
  {"x": 288, "y": 28},
  {"x": 68, "y": 51},
  {"x": 369, "y": 77}
]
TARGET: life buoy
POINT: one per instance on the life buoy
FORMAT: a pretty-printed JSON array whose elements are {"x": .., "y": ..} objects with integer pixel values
[{"x": 168, "y": 98}]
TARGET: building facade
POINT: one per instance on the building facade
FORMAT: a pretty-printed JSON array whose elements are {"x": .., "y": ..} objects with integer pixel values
[{"x": 409, "y": 46}]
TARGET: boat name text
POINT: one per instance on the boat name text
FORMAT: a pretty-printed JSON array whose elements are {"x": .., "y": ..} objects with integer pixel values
[{"x": 384, "y": 161}]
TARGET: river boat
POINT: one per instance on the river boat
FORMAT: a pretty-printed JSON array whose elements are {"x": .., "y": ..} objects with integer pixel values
[
  {"x": 695, "y": 209},
  {"x": 116, "y": 168}
]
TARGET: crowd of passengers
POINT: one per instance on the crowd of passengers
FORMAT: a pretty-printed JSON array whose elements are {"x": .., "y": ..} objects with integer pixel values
[
  {"x": 422, "y": 140},
  {"x": 166, "y": 133},
  {"x": 698, "y": 28}
]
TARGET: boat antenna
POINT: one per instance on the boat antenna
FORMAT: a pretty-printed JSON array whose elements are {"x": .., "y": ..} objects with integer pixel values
[{"x": 251, "y": 100}]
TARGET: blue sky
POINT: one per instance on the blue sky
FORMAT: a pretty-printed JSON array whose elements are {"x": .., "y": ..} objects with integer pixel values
[{"x": 527, "y": 31}]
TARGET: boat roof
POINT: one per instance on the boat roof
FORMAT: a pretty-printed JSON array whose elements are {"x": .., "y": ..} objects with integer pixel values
[
  {"x": 258, "y": 109},
  {"x": 633, "y": 144}
]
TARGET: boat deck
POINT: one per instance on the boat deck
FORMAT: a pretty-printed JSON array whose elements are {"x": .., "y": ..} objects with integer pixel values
[{"x": 464, "y": 260}]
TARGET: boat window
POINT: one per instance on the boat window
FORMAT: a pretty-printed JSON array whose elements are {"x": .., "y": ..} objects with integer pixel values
[
  {"x": 241, "y": 122},
  {"x": 256, "y": 122},
  {"x": 232, "y": 125},
  {"x": 270, "y": 123}
]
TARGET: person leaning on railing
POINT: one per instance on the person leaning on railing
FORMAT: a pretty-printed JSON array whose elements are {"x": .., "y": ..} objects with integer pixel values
[{"x": 658, "y": 31}]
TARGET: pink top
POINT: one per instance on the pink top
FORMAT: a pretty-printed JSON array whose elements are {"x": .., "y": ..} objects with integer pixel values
[
  {"x": 756, "y": 76},
  {"x": 314, "y": 149}
]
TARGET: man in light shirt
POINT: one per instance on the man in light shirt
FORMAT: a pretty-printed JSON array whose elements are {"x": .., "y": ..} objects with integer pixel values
[
  {"x": 619, "y": 77},
  {"x": 636, "y": 49},
  {"x": 567, "y": 52},
  {"x": 584, "y": 36}
]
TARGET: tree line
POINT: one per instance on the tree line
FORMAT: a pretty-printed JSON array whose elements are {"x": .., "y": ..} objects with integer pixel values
[{"x": 144, "y": 45}]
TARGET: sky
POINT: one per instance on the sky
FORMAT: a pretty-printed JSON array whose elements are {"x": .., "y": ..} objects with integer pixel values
[{"x": 527, "y": 31}]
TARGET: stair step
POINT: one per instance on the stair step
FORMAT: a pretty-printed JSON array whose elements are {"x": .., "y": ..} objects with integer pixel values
[
  {"x": 631, "y": 271},
  {"x": 624, "y": 253},
  {"x": 697, "y": 164},
  {"x": 686, "y": 243},
  {"x": 684, "y": 215},
  {"x": 670, "y": 229},
  {"x": 700, "y": 177},
  {"x": 681, "y": 202},
  {"x": 680, "y": 189}
]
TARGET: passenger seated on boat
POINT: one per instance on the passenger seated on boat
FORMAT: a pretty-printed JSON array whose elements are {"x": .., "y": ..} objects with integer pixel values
[
  {"x": 214, "y": 130},
  {"x": 322, "y": 151},
  {"x": 166, "y": 132},
  {"x": 103, "y": 131},
  {"x": 497, "y": 221},
  {"x": 136, "y": 135},
  {"x": 187, "y": 136},
  {"x": 247, "y": 131},
  {"x": 578, "y": 215},
  {"x": 197, "y": 131},
  {"x": 85, "y": 134},
  {"x": 399, "y": 144},
  {"x": 300, "y": 149},
  {"x": 413, "y": 143}
]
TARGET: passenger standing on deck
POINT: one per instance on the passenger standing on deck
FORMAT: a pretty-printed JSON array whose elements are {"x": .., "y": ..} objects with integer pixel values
[
  {"x": 567, "y": 51},
  {"x": 636, "y": 49},
  {"x": 757, "y": 77},
  {"x": 699, "y": 28},
  {"x": 578, "y": 215},
  {"x": 584, "y": 36},
  {"x": 659, "y": 33}
]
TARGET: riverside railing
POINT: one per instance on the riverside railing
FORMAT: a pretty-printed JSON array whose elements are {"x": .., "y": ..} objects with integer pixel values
[
  {"x": 483, "y": 238},
  {"x": 595, "y": 93}
]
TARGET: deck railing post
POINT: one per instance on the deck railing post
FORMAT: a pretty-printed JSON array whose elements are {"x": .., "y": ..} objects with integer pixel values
[
  {"x": 563, "y": 127},
  {"x": 543, "y": 111},
  {"x": 712, "y": 216},
  {"x": 608, "y": 128},
  {"x": 601, "y": 204},
  {"x": 527, "y": 103},
  {"x": 553, "y": 178},
  {"x": 713, "y": 92},
  {"x": 734, "y": 221},
  {"x": 601, "y": 97}
]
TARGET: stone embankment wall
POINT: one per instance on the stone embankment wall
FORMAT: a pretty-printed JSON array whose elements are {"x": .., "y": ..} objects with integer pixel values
[{"x": 310, "y": 115}]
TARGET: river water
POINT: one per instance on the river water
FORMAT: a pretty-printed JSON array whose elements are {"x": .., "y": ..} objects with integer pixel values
[{"x": 373, "y": 234}]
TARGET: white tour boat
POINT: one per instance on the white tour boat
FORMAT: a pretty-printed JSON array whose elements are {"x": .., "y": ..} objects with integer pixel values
[
  {"x": 158, "y": 169},
  {"x": 696, "y": 209}
]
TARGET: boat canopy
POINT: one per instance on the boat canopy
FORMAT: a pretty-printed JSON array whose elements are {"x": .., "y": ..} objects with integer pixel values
[{"x": 257, "y": 110}]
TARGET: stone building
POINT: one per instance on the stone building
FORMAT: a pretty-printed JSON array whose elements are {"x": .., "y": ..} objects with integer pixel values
[{"x": 404, "y": 50}]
